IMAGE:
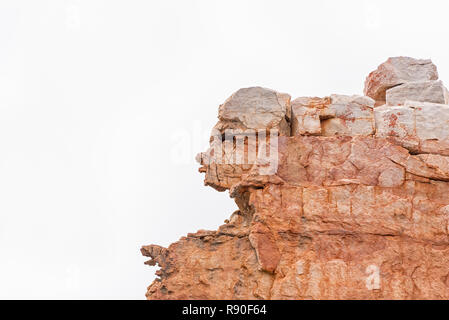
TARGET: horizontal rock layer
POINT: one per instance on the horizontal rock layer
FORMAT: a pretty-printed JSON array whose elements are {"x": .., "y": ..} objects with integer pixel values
[{"x": 426, "y": 91}]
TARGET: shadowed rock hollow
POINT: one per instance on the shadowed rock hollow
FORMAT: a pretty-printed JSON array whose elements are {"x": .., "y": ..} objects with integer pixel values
[{"x": 341, "y": 197}]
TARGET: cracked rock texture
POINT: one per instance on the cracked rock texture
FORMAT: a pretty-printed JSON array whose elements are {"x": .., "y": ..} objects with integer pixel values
[{"x": 357, "y": 206}]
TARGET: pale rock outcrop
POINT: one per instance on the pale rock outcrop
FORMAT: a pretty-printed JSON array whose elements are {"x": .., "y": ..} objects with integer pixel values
[
  {"x": 355, "y": 205},
  {"x": 334, "y": 115},
  {"x": 255, "y": 108},
  {"x": 398, "y": 124},
  {"x": 348, "y": 115},
  {"x": 396, "y": 71},
  {"x": 306, "y": 115},
  {"x": 426, "y": 91},
  {"x": 421, "y": 127}
]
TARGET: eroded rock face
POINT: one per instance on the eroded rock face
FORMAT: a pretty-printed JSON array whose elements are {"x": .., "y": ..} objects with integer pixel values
[
  {"x": 334, "y": 115},
  {"x": 255, "y": 108},
  {"x": 421, "y": 127},
  {"x": 426, "y": 91},
  {"x": 344, "y": 201},
  {"x": 397, "y": 71}
]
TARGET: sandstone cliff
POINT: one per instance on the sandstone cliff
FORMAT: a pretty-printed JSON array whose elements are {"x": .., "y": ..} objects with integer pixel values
[{"x": 341, "y": 197}]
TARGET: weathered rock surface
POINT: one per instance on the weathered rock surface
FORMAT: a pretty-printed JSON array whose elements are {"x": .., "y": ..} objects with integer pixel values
[
  {"x": 421, "y": 127},
  {"x": 426, "y": 91},
  {"x": 306, "y": 115},
  {"x": 396, "y": 71},
  {"x": 255, "y": 108},
  {"x": 345, "y": 201},
  {"x": 334, "y": 115}
]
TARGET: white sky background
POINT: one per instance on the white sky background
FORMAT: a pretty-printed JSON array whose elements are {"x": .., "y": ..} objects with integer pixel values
[{"x": 104, "y": 104}]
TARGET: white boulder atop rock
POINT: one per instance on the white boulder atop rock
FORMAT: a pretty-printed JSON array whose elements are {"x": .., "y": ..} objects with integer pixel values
[
  {"x": 396, "y": 71},
  {"x": 255, "y": 108}
]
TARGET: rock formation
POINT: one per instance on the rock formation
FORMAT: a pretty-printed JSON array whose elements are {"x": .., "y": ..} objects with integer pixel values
[{"x": 341, "y": 197}]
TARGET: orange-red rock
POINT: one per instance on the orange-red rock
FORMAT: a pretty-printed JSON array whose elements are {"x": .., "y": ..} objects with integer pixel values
[{"x": 359, "y": 214}]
